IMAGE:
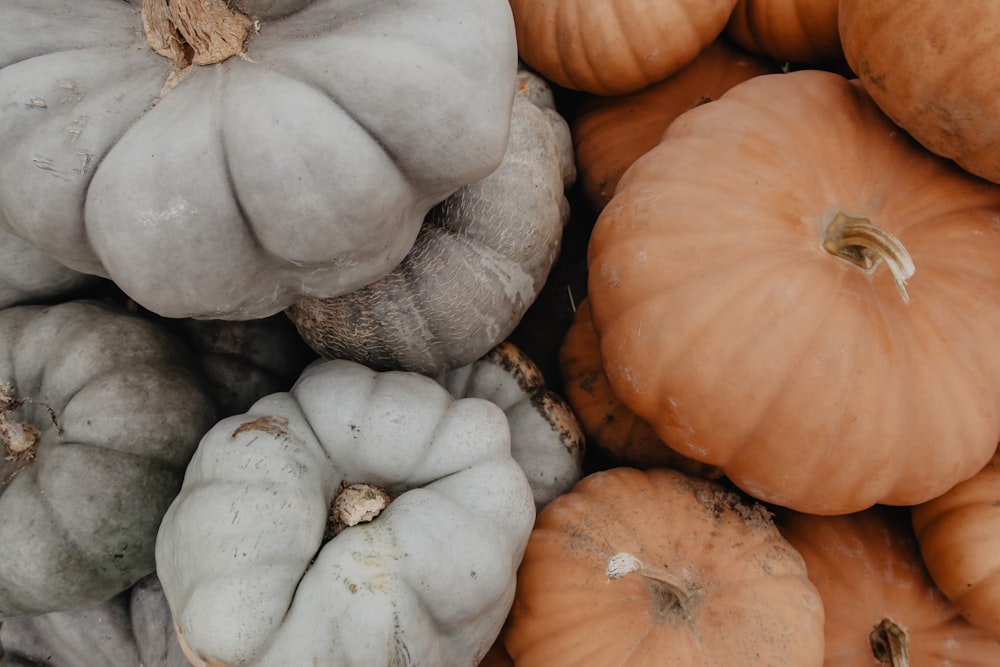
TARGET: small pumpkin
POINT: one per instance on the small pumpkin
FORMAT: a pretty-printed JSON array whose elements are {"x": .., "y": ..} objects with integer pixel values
[
  {"x": 791, "y": 289},
  {"x": 803, "y": 32},
  {"x": 221, "y": 160},
  {"x": 373, "y": 505},
  {"x": 101, "y": 412},
  {"x": 546, "y": 439},
  {"x": 28, "y": 276},
  {"x": 479, "y": 261},
  {"x": 621, "y": 436},
  {"x": 610, "y": 132},
  {"x": 639, "y": 568},
  {"x": 611, "y": 47},
  {"x": 133, "y": 628},
  {"x": 881, "y": 606},
  {"x": 913, "y": 58},
  {"x": 957, "y": 532}
]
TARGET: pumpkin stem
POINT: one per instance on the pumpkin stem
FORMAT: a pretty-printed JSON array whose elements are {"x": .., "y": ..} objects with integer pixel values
[
  {"x": 889, "y": 644},
  {"x": 19, "y": 438},
  {"x": 193, "y": 32},
  {"x": 623, "y": 564},
  {"x": 863, "y": 244},
  {"x": 354, "y": 504}
]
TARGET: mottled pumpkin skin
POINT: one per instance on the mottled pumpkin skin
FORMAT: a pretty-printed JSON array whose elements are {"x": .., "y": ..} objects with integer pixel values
[
  {"x": 957, "y": 533},
  {"x": 751, "y": 603},
  {"x": 933, "y": 70},
  {"x": 725, "y": 324},
  {"x": 78, "y": 523},
  {"x": 867, "y": 567},
  {"x": 610, "y": 47},
  {"x": 304, "y": 168}
]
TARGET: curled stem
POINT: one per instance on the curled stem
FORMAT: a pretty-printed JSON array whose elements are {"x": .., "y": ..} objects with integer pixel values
[{"x": 863, "y": 244}]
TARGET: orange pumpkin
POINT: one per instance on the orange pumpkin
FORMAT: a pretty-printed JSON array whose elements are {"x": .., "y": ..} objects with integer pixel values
[
  {"x": 609, "y": 426},
  {"x": 932, "y": 67},
  {"x": 640, "y": 568},
  {"x": 752, "y": 286},
  {"x": 878, "y": 597},
  {"x": 958, "y": 533},
  {"x": 609, "y": 47},
  {"x": 610, "y": 132},
  {"x": 797, "y": 31}
]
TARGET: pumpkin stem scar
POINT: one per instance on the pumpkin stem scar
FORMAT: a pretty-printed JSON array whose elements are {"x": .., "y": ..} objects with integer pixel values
[
  {"x": 354, "y": 504},
  {"x": 889, "y": 644},
  {"x": 622, "y": 564},
  {"x": 863, "y": 244},
  {"x": 18, "y": 438},
  {"x": 194, "y": 32}
]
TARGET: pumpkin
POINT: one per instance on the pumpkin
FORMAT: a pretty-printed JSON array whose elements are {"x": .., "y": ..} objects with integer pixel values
[
  {"x": 610, "y": 47},
  {"x": 372, "y": 505},
  {"x": 956, "y": 533},
  {"x": 477, "y": 265},
  {"x": 243, "y": 361},
  {"x": 26, "y": 275},
  {"x": 133, "y": 628},
  {"x": 753, "y": 290},
  {"x": 220, "y": 162},
  {"x": 655, "y": 567},
  {"x": 881, "y": 606},
  {"x": 609, "y": 426},
  {"x": 100, "y": 411},
  {"x": 804, "y": 32},
  {"x": 546, "y": 439},
  {"x": 610, "y": 132},
  {"x": 913, "y": 58}
]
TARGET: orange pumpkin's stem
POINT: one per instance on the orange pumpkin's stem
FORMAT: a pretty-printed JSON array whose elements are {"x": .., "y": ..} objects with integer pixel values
[
  {"x": 623, "y": 564},
  {"x": 863, "y": 244},
  {"x": 889, "y": 644}
]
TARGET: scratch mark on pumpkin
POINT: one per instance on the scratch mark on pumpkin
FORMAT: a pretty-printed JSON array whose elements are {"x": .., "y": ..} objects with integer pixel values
[{"x": 268, "y": 424}]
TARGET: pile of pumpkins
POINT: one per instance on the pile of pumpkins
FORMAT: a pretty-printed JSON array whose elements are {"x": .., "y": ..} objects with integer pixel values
[{"x": 362, "y": 333}]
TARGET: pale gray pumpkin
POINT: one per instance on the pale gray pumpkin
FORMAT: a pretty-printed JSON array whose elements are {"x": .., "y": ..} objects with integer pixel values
[
  {"x": 252, "y": 575},
  {"x": 480, "y": 260},
  {"x": 27, "y": 275},
  {"x": 546, "y": 439},
  {"x": 107, "y": 408},
  {"x": 301, "y": 164},
  {"x": 132, "y": 629}
]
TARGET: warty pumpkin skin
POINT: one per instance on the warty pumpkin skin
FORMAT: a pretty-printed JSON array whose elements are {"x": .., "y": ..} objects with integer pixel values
[
  {"x": 732, "y": 316},
  {"x": 803, "y": 32},
  {"x": 957, "y": 533},
  {"x": 79, "y": 510},
  {"x": 708, "y": 580},
  {"x": 303, "y": 165},
  {"x": 611, "y": 47},
  {"x": 250, "y": 572},
  {"x": 132, "y": 629},
  {"x": 932, "y": 70},
  {"x": 478, "y": 263},
  {"x": 867, "y": 569},
  {"x": 610, "y": 132}
]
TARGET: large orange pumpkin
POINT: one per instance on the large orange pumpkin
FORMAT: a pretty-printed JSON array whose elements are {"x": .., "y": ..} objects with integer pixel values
[
  {"x": 609, "y": 426},
  {"x": 610, "y": 132},
  {"x": 932, "y": 66},
  {"x": 609, "y": 47},
  {"x": 656, "y": 568},
  {"x": 878, "y": 597},
  {"x": 959, "y": 537},
  {"x": 750, "y": 284},
  {"x": 799, "y": 31}
]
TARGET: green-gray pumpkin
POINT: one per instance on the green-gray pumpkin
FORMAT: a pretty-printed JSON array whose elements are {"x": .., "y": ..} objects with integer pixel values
[
  {"x": 225, "y": 163},
  {"x": 103, "y": 411},
  {"x": 28, "y": 276}
]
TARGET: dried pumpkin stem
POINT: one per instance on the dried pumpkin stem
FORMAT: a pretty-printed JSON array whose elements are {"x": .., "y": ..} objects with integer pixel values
[
  {"x": 889, "y": 644},
  {"x": 863, "y": 244},
  {"x": 18, "y": 439},
  {"x": 354, "y": 504},
  {"x": 622, "y": 564}
]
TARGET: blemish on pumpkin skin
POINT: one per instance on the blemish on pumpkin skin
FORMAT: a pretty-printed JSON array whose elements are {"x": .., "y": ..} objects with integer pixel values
[{"x": 271, "y": 425}]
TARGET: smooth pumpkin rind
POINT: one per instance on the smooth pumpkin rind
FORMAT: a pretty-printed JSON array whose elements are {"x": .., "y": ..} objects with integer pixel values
[{"x": 725, "y": 324}]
